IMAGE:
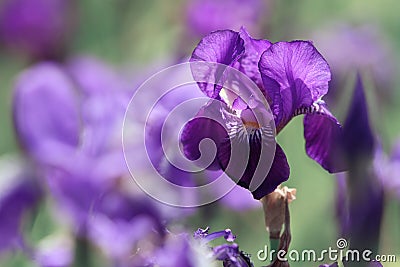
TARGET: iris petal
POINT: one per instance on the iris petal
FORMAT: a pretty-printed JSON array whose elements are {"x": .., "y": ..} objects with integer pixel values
[
  {"x": 359, "y": 140},
  {"x": 296, "y": 71},
  {"x": 278, "y": 173},
  {"x": 223, "y": 47},
  {"x": 249, "y": 61},
  {"x": 257, "y": 176},
  {"x": 46, "y": 109},
  {"x": 323, "y": 135},
  {"x": 203, "y": 127}
]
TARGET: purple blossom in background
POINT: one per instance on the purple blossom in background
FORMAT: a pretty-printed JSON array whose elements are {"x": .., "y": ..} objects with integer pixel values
[
  {"x": 119, "y": 221},
  {"x": 69, "y": 123},
  {"x": 361, "y": 206},
  {"x": 206, "y": 16},
  {"x": 180, "y": 250},
  {"x": 358, "y": 138},
  {"x": 387, "y": 168},
  {"x": 37, "y": 28},
  {"x": 292, "y": 76},
  {"x": 363, "y": 48},
  {"x": 19, "y": 194}
]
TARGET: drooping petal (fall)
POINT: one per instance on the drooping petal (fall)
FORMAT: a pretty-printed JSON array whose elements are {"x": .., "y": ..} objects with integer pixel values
[{"x": 323, "y": 135}]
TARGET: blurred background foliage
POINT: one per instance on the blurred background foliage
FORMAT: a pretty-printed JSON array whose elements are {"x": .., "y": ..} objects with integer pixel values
[{"x": 141, "y": 33}]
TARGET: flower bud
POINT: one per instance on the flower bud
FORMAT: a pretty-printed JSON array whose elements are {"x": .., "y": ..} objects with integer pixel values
[{"x": 274, "y": 209}]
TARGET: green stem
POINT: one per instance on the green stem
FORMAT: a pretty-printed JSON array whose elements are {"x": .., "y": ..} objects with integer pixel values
[
  {"x": 82, "y": 250},
  {"x": 274, "y": 245}
]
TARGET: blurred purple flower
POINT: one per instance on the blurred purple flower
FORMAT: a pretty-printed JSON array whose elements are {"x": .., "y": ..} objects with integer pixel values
[
  {"x": 177, "y": 251},
  {"x": 361, "y": 208},
  {"x": 46, "y": 112},
  {"x": 348, "y": 48},
  {"x": 19, "y": 194},
  {"x": 388, "y": 167},
  {"x": 293, "y": 77},
  {"x": 73, "y": 136},
  {"x": 359, "y": 140},
  {"x": 72, "y": 110},
  {"x": 35, "y": 27},
  {"x": 206, "y": 16},
  {"x": 118, "y": 222}
]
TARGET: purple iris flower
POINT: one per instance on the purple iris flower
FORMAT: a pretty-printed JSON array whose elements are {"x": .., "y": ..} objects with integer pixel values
[
  {"x": 293, "y": 77},
  {"x": 37, "y": 28},
  {"x": 361, "y": 204},
  {"x": 19, "y": 194}
]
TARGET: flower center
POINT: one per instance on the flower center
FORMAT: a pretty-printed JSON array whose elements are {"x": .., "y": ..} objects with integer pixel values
[
  {"x": 249, "y": 120},
  {"x": 240, "y": 109}
]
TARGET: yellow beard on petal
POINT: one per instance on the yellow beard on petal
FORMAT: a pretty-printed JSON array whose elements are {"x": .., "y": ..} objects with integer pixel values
[{"x": 251, "y": 124}]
